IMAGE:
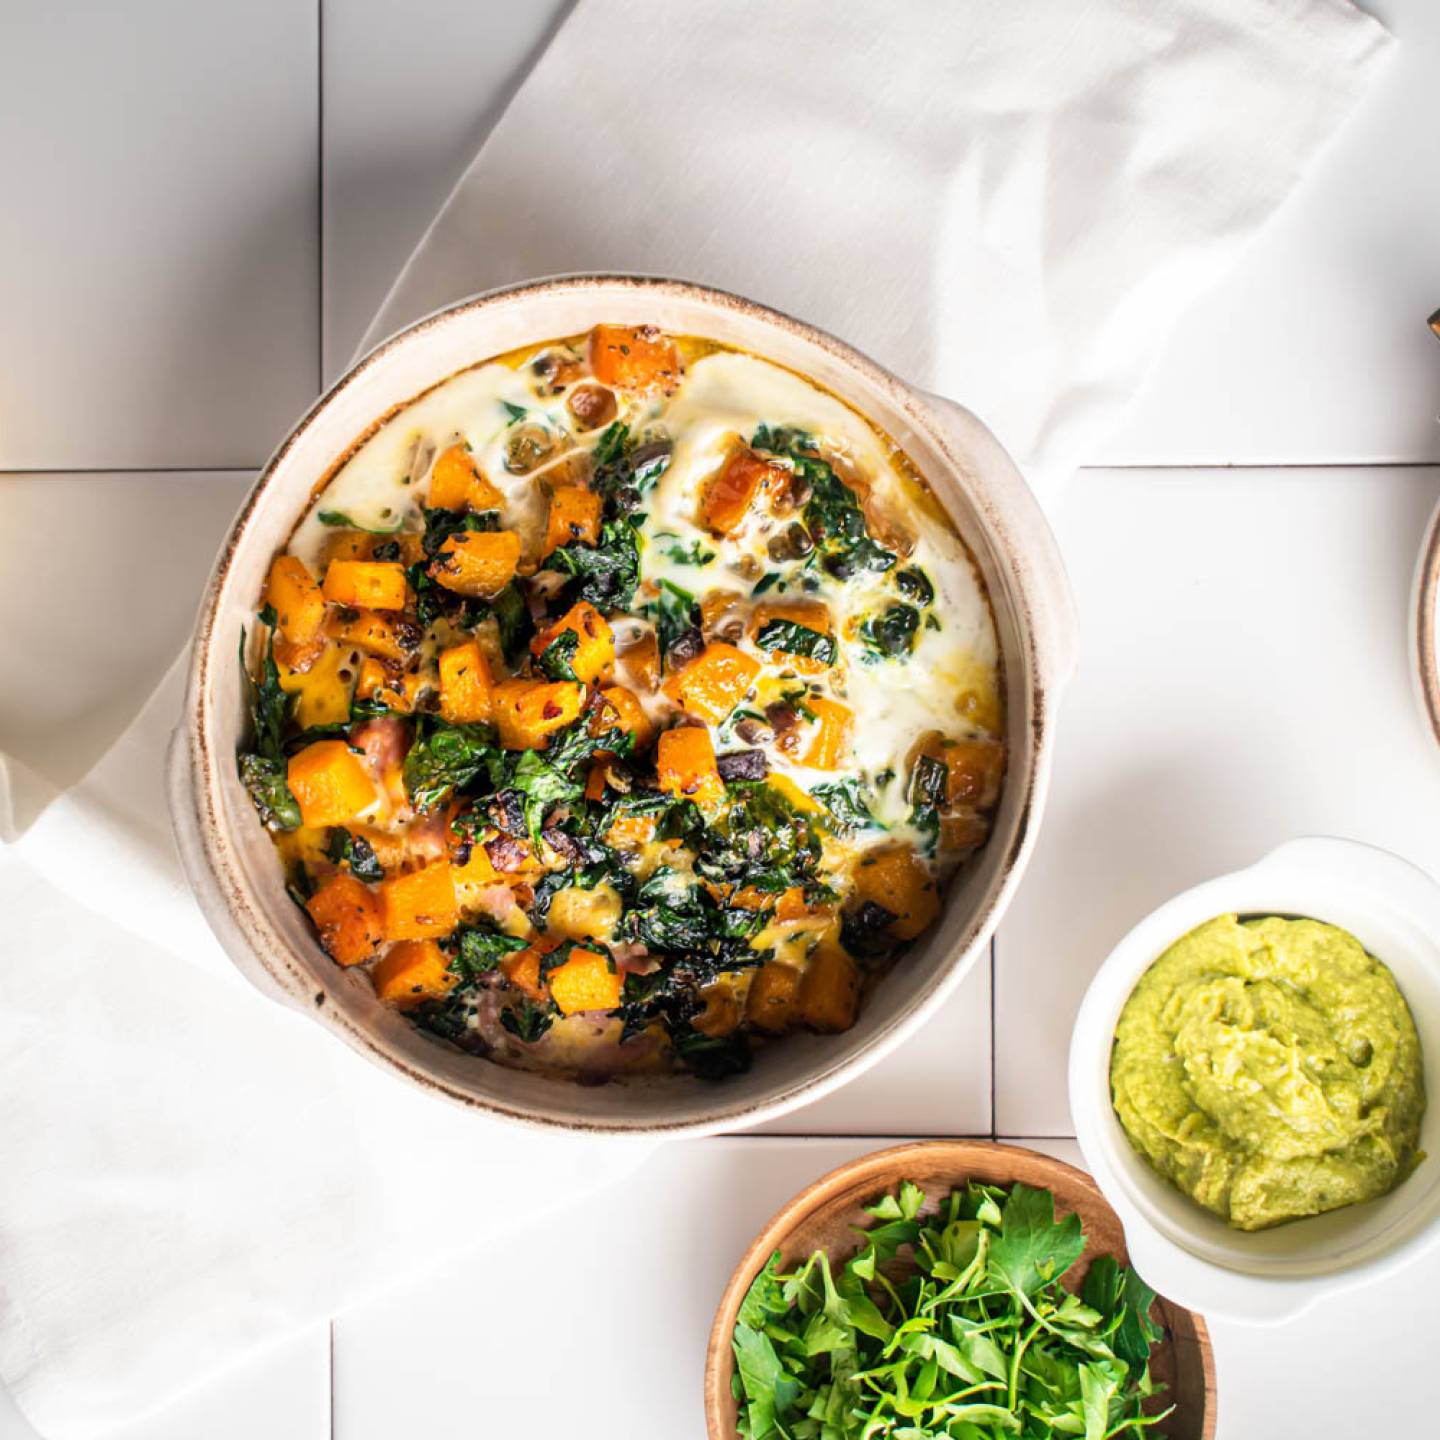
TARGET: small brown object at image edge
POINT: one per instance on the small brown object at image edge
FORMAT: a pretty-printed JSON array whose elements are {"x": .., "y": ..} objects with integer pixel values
[{"x": 822, "y": 1216}]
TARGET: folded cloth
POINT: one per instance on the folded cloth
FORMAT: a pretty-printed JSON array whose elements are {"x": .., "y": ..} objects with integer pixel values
[{"x": 1009, "y": 203}]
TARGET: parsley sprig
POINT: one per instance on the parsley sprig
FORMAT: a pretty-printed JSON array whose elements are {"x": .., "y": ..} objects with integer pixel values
[{"x": 968, "y": 1333}]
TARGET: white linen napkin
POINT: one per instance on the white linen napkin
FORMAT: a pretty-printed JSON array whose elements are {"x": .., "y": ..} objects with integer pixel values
[{"x": 1008, "y": 203}]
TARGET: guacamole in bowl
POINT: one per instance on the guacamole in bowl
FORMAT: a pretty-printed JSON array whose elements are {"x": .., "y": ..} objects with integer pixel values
[{"x": 1270, "y": 1069}]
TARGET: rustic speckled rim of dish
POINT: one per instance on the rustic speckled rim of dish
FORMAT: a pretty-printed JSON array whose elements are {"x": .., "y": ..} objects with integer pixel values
[{"x": 1027, "y": 567}]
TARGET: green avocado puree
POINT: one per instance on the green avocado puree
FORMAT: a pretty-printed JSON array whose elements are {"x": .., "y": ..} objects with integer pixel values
[{"x": 1270, "y": 1068}]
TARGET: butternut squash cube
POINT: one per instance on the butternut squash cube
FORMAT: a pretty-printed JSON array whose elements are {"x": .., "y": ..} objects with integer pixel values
[
  {"x": 347, "y": 916},
  {"x": 895, "y": 878},
  {"x": 478, "y": 563},
  {"x": 630, "y": 832},
  {"x": 974, "y": 769},
  {"x": 330, "y": 783},
  {"x": 640, "y": 662},
  {"x": 722, "y": 1009},
  {"x": 411, "y": 973},
  {"x": 810, "y": 615},
  {"x": 963, "y": 832},
  {"x": 771, "y": 1003},
  {"x": 574, "y": 515},
  {"x": 829, "y": 991},
  {"x": 685, "y": 765},
  {"x": 522, "y": 969},
  {"x": 834, "y": 729},
  {"x": 732, "y": 490},
  {"x": 466, "y": 685},
  {"x": 621, "y": 709},
  {"x": 634, "y": 357},
  {"x": 366, "y": 584},
  {"x": 711, "y": 685},
  {"x": 457, "y": 481},
  {"x": 586, "y": 981},
  {"x": 528, "y": 712},
  {"x": 379, "y": 682},
  {"x": 297, "y": 601},
  {"x": 594, "y": 656},
  {"x": 420, "y": 904},
  {"x": 389, "y": 636}
]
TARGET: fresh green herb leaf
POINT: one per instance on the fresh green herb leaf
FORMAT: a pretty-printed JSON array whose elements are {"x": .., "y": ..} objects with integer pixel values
[
  {"x": 767, "y": 581},
  {"x": 338, "y": 519},
  {"x": 607, "y": 573},
  {"x": 527, "y": 1022},
  {"x": 848, "y": 807},
  {"x": 516, "y": 413},
  {"x": 347, "y": 848},
  {"x": 891, "y": 633},
  {"x": 263, "y": 771},
  {"x": 790, "y": 638},
  {"x": 269, "y": 791},
  {"x": 557, "y": 659},
  {"x": 445, "y": 758},
  {"x": 692, "y": 554},
  {"x": 674, "y": 612}
]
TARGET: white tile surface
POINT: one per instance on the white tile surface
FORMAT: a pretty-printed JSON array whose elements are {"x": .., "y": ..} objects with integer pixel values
[
  {"x": 411, "y": 90},
  {"x": 935, "y": 1083},
  {"x": 1315, "y": 349},
  {"x": 137, "y": 550},
  {"x": 283, "y": 1394},
  {"x": 158, "y": 251},
  {"x": 1244, "y": 679}
]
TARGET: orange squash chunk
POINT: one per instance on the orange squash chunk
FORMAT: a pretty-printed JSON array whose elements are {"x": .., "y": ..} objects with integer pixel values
[
  {"x": 387, "y": 636},
  {"x": 522, "y": 969},
  {"x": 457, "y": 481},
  {"x": 634, "y": 357},
  {"x": 574, "y": 514},
  {"x": 479, "y": 563},
  {"x": 330, "y": 783},
  {"x": 964, "y": 832},
  {"x": 366, "y": 584},
  {"x": 412, "y": 972},
  {"x": 770, "y": 1004},
  {"x": 298, "y": 603},
  {"x": 586, "y": 981},
  {"x": 379, "y": 682},
  {"x": 711, "y": 685},
  {"x": 630, "y": 832},
  {"x": 594, "y": 656},
  {"x": 685, "y": 765},
  {"x": 640, "y": 662},
  {"x": 420, "y": 904},
  {"x": 528, "y": 712},
  {"x": 347, "y": 915},
  {"x": 974, "y": 769},
  {"x": 894, "y": 877},
  {"x": 731, "y": 491},
  {"x": 621, "y": 709},
  {"x": 829, "y": 995},
  {"x": 830, "y": 747},
  {"x": 722, "y": 1010},
  {"x": 466, "y": 685},
  {"x": 811, "y": 614}
]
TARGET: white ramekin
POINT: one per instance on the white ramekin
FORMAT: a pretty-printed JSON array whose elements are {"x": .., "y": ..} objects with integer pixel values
[{"x": 1182, "y": 1250}]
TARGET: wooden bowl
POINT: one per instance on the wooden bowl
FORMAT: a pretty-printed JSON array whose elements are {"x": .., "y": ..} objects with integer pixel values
[{"x": 824, "y": 1214}]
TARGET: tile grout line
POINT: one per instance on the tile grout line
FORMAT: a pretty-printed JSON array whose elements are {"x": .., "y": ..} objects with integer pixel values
[{"x": 994, "y": 1108}]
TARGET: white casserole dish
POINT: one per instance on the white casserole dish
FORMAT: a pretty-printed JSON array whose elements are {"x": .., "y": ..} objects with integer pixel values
[{"x": 229, "y": 858}]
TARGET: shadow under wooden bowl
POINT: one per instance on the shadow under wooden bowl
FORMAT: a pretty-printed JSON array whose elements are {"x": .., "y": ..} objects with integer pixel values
[{"x": 824, "y": 1214}]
